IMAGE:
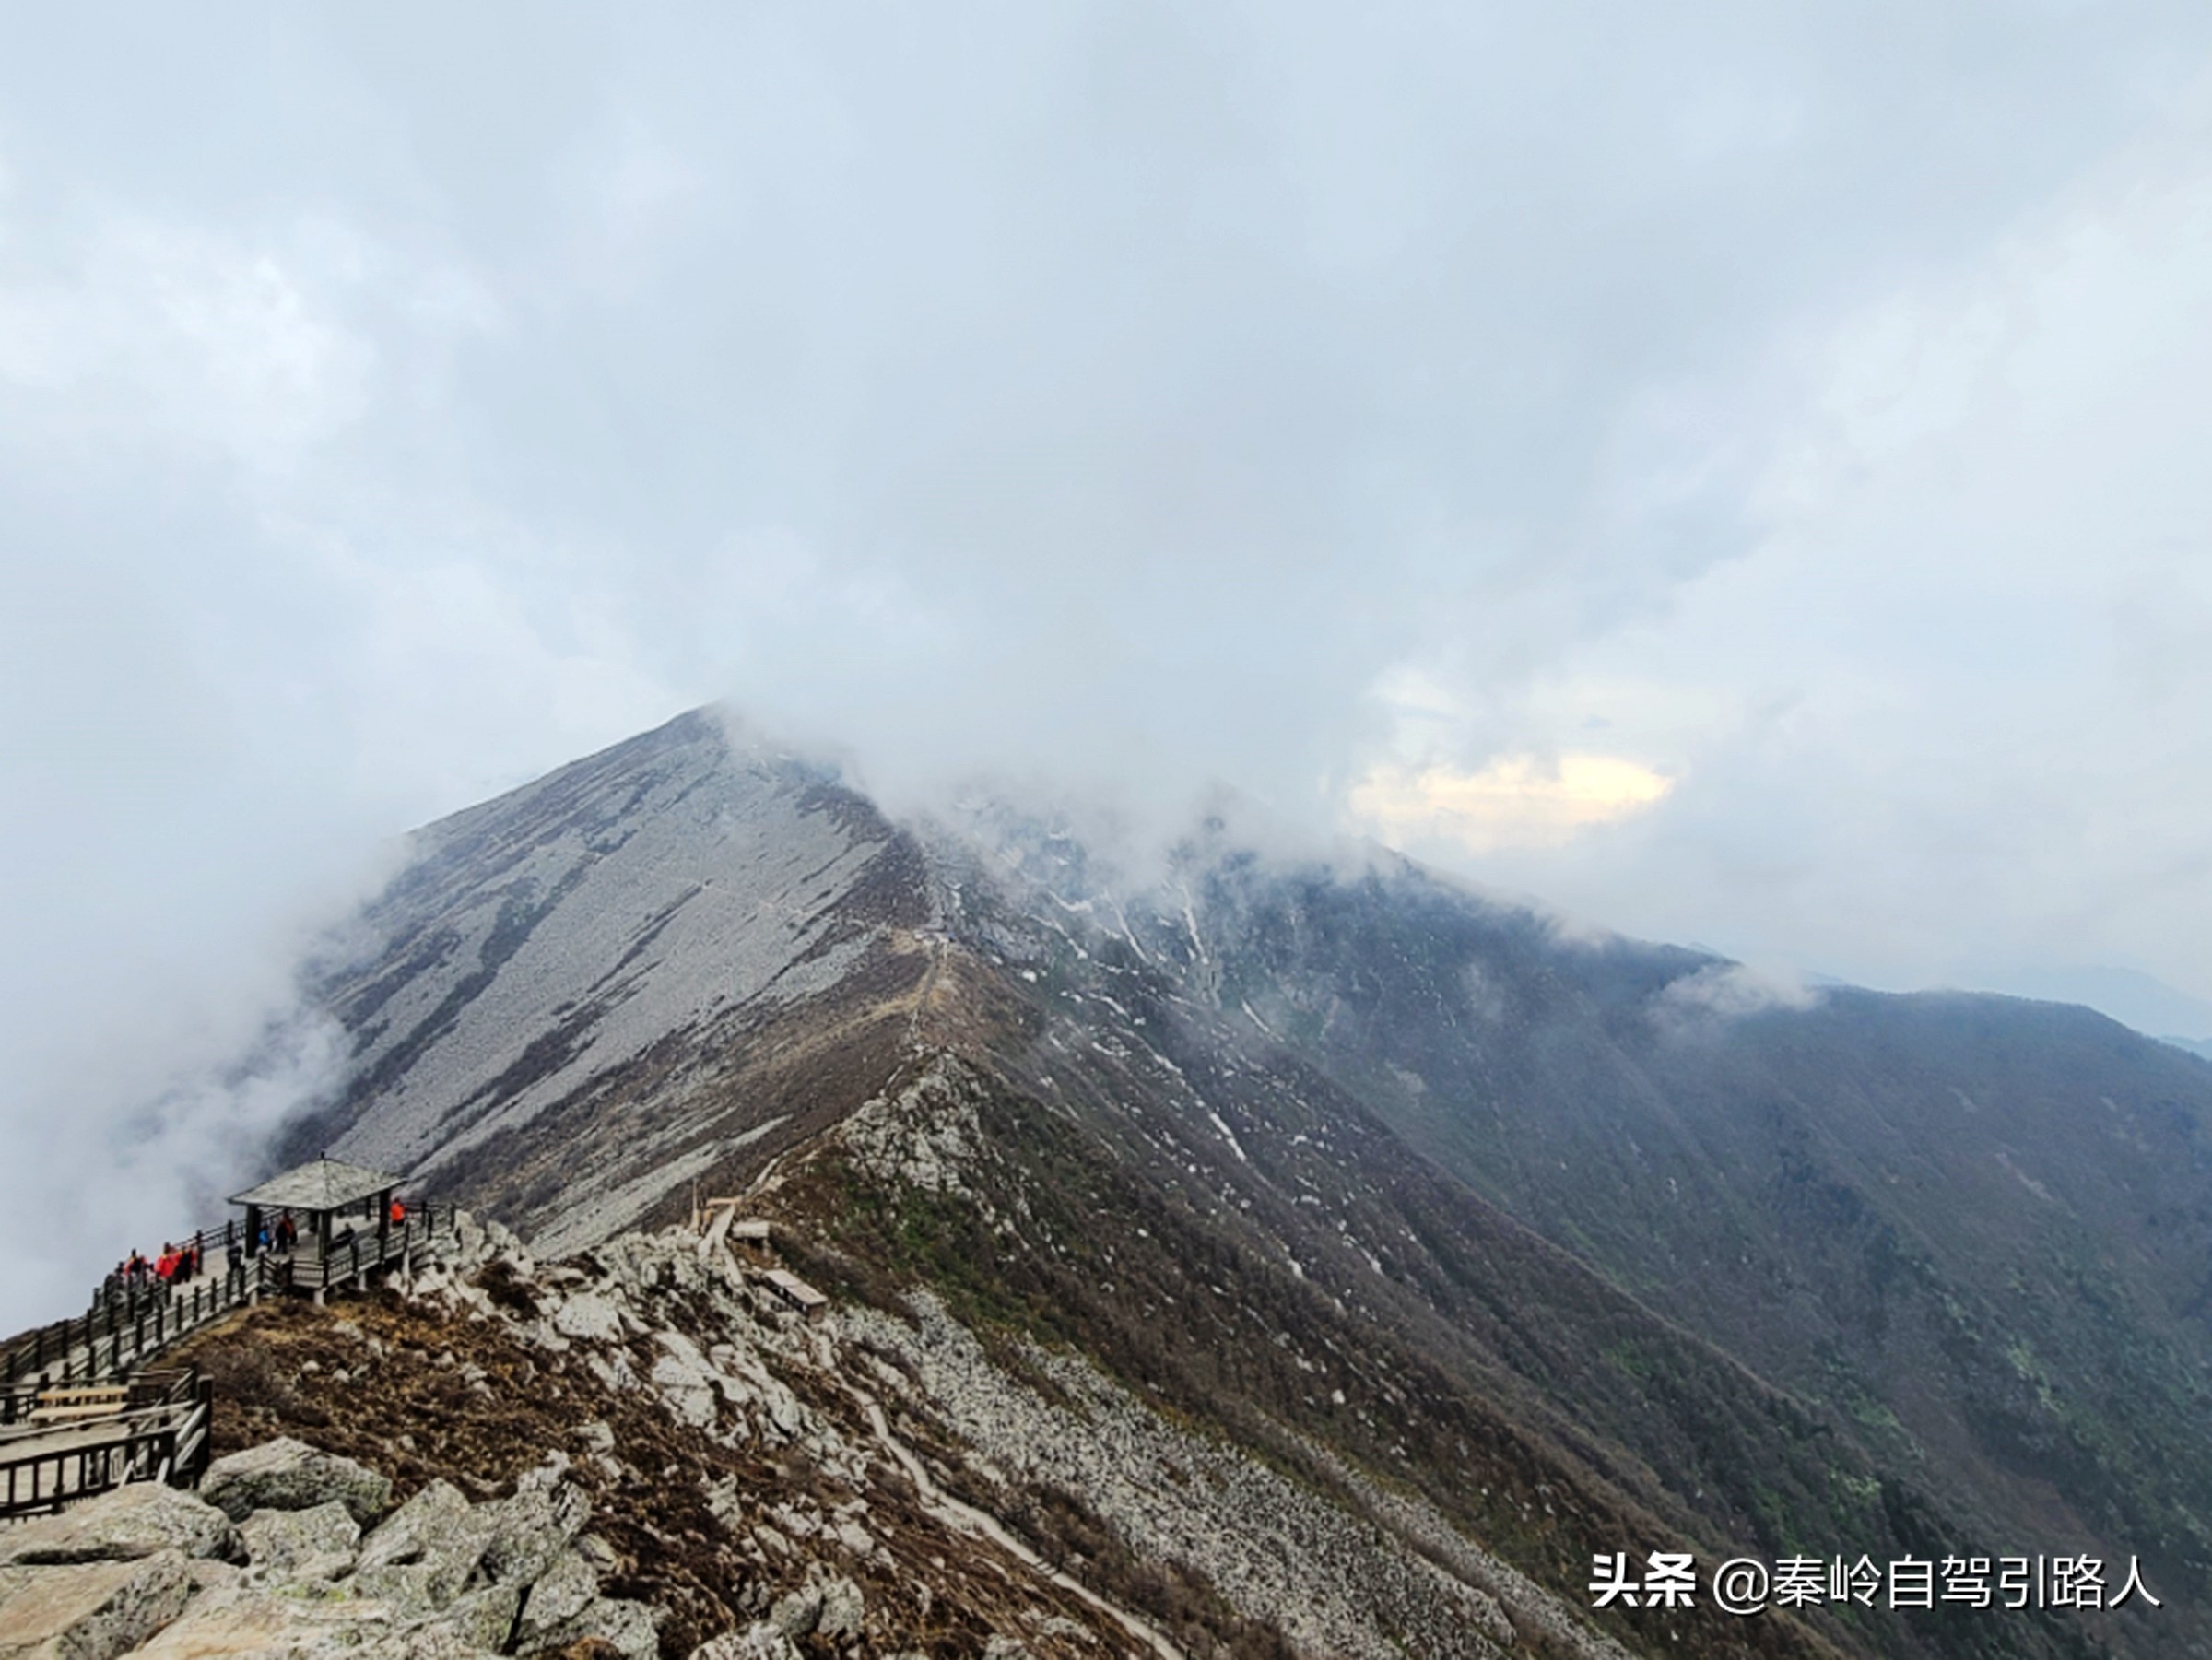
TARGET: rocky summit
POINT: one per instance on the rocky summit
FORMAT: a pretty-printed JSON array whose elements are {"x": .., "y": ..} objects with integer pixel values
[{"x": 925, "y": 1238}]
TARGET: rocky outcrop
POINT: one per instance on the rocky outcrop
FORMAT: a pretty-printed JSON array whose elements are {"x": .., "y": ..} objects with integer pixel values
[
  {"x": 158, "y": 1575},
  {"x": 291, "y": 1475},
  {"x": 527, "y": 1536},
  {"x": 936, "y": 1452},
  {"x": 141, "y": 1520},
  {"x": 425, "y": 1551},
  {"x": 306, "y": 1546},
  {"x": 642, "y": 1451},
  {"x": 926, "y": 1135},
  {"x": 461, "y": 1576},
  {"x": 90, "y": 1610}
]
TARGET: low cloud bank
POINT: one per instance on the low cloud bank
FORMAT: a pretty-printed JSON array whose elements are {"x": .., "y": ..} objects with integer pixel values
[
  {"x": 1726, "y": 991},
  {"x": 1129, "y": 399}
]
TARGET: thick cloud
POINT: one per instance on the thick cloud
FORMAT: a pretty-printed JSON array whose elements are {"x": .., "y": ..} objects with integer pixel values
[{"x": 1734, "y": 468}]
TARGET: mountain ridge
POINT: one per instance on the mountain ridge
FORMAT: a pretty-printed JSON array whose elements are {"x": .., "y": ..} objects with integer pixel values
[{"x": 1658, "y": 1233}]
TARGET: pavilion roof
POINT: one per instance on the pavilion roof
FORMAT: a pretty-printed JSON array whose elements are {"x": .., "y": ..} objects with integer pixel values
[{"x": 325, "y": 1184}]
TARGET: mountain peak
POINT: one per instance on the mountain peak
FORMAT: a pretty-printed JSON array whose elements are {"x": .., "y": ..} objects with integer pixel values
[{"x": 1349, "y": 1159}]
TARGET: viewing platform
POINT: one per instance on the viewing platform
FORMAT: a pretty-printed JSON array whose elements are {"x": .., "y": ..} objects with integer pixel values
[
  {"x": 82, "y": 1409},
  {"x": 310, "y": 1231},
  {"x": 351, "y": 1230}
]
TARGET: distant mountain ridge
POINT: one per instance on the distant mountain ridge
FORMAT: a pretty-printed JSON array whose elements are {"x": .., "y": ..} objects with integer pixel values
[{"x": 1595, "y": 1244}]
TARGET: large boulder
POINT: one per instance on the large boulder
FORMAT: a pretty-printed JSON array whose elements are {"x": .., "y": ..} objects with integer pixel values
[
  {"x": 795, "y": 1612},
  {"x": 589, "y": 1315},
  {"x": 482, "y": 1619},
  {"x": 132, "y": 1523},
  {"x": 843, "y": 1611},
  {"x": 631, "y": 1628},
  {"x": 303, "y": 1547},
  {"x": 563, "y": 1592},
  {"x": 527, "y": 1534},
  {"x": 284, "y": 1474},
  {"x": 425, "y": 1552},
  {"x": 241, "y": 1618},
  {"x": 826, "y": 1606},
  {"x": 90, "y": 1610}
]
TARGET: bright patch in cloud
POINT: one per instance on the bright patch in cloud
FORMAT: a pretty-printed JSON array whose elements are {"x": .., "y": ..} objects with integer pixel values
[{"x": 1516, "y": 801}]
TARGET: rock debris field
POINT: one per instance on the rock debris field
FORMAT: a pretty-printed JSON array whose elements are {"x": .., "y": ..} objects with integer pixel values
[{"x": 639, "y": 1453}]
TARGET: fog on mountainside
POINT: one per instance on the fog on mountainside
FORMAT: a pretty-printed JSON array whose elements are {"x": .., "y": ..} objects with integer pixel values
[
  {"x": 1736, "y": 477},
  {"x": 1279, "y": 565}
]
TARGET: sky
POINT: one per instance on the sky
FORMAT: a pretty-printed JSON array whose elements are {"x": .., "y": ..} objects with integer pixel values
[{"x": 1734, "y": 472}]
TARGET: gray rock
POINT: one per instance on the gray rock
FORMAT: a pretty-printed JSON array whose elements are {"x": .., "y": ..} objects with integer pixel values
[
  {"x": 91, "y": 1610},
  {"x": 481, "y": 1619},
  {"x": 303, "y": 1546},
  {"x": 598, "y": 1552},
  {"x": 547, "y": 1475},
  {"x": 409, "y": 1590},
  {"x": 630, "y": 1628},
  {"x": 562, "y": 1592},
  {"x": 284, "y": 1474},
  {"x": 418, "y": 1644},
  {"x": 262, "y": 1623},
  {"x": 590, "y": 1316},
  {"x": 761, "y": 1642},
  {"x": 527, "y": 1534},
  {"x": 843, "y": 1612},
  {"x": 796, "y": 1613},
  {"x": 128, "y": 1525},
  {"x": 209, "y": 1575},
  {"x": 422, "y": 1555}
]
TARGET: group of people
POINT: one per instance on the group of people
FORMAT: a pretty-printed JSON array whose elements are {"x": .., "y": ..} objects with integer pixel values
[
  {"x": 180, "y": 1265},
  {"x": 177, "y": 1264},
  {"x": 281, "y": 1238}
]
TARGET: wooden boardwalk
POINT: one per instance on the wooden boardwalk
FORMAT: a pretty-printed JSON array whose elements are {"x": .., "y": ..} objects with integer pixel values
[
  {"x": 128, "y": 1327},
  {"x": 156, "y": 1431},
  {"x": 81, "y": 1408}
]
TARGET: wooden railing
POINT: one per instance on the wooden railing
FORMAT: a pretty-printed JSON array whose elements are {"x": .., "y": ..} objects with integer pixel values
[
  {"x": 160, "y": 1435},
  {"x": 130, "y": 1322}
]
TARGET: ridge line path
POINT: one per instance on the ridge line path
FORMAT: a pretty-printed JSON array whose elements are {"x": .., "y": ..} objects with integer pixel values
[{"x": 927, "y": 989}]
